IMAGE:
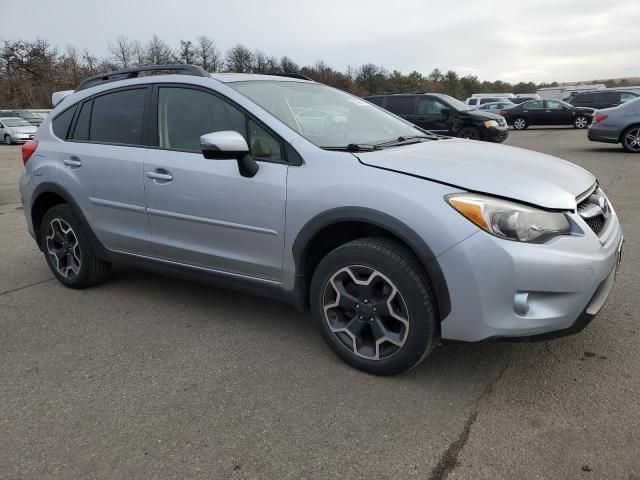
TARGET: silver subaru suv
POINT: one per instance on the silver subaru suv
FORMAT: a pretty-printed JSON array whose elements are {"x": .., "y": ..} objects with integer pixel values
[{"x": 394, "y": 238}]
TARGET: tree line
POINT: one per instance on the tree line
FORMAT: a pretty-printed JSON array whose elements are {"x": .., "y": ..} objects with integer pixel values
[{"x": 31, "y": 70}]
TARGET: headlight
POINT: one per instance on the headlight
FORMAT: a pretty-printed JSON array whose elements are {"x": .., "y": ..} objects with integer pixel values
[
  {"x": 510, "y": 220},
  {"x": 491, "y": 123}
]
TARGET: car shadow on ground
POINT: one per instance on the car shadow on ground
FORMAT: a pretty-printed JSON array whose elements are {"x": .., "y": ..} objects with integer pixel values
[{"x": 451, "y": 362}]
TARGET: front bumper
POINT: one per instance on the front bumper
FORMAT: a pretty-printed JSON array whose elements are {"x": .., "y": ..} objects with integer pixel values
[
  {"x": 496, "y": 134},
  {"x": 563, "y": 283}
]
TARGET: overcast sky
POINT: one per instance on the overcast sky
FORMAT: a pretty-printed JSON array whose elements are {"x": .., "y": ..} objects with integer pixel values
[{"x": 541, "y": 40}]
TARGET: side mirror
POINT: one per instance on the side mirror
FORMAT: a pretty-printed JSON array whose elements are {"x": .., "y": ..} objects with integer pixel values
[
  {"x": 445, "y": 112},
  {"x": 229, "y": 144}
]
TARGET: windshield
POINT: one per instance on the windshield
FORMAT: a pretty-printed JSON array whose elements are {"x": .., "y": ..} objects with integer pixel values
[
  {"x": 15, "y": 122},
  {"x": 327, "y": 117}
]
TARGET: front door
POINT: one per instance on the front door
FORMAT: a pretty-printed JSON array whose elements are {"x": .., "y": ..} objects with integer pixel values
[
  {"x": 203, "y": 212},
  {"x": 558, "y": 113},
  {"x": 430, "y": 116}
]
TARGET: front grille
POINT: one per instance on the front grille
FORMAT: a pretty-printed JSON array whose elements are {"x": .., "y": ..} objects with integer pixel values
[{"x": 594, "y": 210}]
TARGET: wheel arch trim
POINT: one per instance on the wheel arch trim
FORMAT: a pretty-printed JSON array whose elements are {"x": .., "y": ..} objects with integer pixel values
[{"x": 415, "y": 242}]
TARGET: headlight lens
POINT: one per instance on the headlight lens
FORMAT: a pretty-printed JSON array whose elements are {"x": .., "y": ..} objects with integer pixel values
[
  {"x": 491, "y": 123},
  {"x": 510, "y": 220}
]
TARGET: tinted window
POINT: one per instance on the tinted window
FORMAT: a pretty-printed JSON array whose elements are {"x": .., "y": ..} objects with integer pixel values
[
  {"x": 534, "y": 104},
  {"x": 62, "y": 123},
  {"x": 488, "y": 100},
  {"x": 376, "y": 100},
  {"x": 117, "y": 117},
  {"x": 585, "y": 99},
  {"x": 430, "y": 106},
  {"x": 609, "y": 97},
  {"x": 473, "y": 101},
  {"x": 186, "y": 114},
  {"x": 263, "y": 144},
  {"x": 401, "y": 105},
  {"x": 81, "y": 130}
]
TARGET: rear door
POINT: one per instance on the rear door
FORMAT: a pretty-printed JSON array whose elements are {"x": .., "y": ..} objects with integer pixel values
[
  {"x": 203, "y": 212},
  {"x": 404, "y": 106},
  {"x": 101, "y": 166}
]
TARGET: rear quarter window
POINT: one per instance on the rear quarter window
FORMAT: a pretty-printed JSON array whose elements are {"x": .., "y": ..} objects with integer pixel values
[
  {"x": 62, "y": 123},
  {"x": 401, "y": 105}
]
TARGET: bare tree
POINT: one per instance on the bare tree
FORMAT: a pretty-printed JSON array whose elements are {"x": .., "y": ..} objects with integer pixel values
[
  {"x": 137, "y": 53},
  {"x": 287, "y": 65},
  {"x": 122, "y": 51},
  {"x": 239, "y": 59},
  {"x": 187, "y": 53},
  {"x": 207, "y": 55},
  {"x": 259, "y": 61},
  {"x": 157, "y": 52}
]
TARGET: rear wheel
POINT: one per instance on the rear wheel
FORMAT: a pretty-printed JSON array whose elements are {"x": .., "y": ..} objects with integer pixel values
[
  {"x": 8, "y": 140},
  {"x": 373, "y": 306},
  {"x": 580, "y": 122},
  {"x": 631, "y": 139},
  {"x": 520, "y": 123},
  {"x": 471, "y": 133},
  {"x": 68, "y": 251}
]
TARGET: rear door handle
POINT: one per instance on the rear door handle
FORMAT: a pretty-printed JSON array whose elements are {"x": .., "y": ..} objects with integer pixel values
[
  {"x": 72, "y": 162},
  {"x": 160, "y": 175}
]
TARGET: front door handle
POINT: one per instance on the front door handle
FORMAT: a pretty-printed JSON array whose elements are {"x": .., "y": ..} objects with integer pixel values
[
  {"x": 160, "y": 175},
  {"x": 72, "y": 162}
]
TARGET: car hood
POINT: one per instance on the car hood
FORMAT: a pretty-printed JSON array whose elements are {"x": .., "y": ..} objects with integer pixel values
[
  {"x": 29, "y": 129},
  {"x": 483, "y": 114},
  {"x": 483, "y": 167}
]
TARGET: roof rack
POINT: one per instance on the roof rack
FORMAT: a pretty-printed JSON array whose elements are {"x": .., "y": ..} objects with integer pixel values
[
  {"x": 299, "y": 76},
  {"x": 134, "y": 72}
]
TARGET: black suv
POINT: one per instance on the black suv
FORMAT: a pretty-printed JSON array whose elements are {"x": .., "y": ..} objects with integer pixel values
[
  {"x": 601, "y": 99},
  {"x": 443, "y": 114}
]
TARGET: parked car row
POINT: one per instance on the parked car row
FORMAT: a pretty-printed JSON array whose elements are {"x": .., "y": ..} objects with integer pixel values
[
  {"x": 547, "y": 112},
  {"x": 445, "y": 115},
  {"x": 34, "y": 117},
  {"x": 16, "y": 130}
]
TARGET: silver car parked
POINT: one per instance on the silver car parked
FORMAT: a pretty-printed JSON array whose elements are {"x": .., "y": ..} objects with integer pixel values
[
  {"x": 16, "y": 130},
  {"x": 394, "y": 238},
  {"x": 619, "y": 124}
]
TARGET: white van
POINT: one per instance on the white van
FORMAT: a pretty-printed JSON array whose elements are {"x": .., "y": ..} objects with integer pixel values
[{"x": 478, "y": 99}]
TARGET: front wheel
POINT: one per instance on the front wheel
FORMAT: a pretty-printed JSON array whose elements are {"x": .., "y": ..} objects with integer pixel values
[
  {"x": 373, "y": 306},
  {"x": 631, "y": 139},
  {"x": 471, "y": 133},
  {"x": 580, "y": 122},
  {"x": 520, "y": 123},
  {"x": 8, "y": 140}
]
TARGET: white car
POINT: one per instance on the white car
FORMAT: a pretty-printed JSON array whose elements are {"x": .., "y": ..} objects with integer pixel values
[{"x": 16, "y": 130}]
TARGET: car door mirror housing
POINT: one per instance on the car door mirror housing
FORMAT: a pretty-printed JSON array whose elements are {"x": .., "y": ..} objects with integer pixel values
[{"x": 229, "y": 144}]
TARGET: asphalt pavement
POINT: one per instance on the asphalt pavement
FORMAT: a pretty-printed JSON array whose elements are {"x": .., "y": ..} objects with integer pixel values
[{"x": 151, "y": 377}]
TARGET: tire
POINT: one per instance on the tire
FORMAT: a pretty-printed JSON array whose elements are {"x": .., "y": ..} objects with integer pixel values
[
  {"x": 402, "y": 328},
  {"x": 472, "y": 133},
  {"x": 8, "y": 140},
  {"x": 520, "y": 123},
  {"x": 580, "y": 122},
  {"x": 67, "y": 250},
  {"x": 631, "y": 139}
]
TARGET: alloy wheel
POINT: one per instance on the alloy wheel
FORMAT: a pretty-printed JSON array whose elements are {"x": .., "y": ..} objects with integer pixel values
[
  {"x": 519, "y": 123},
  {"x": 63, "y": 248},
  {"x": 581, "y": 122},
  {"x": 632, "y": 139},
  {"x": 366, "y": 312}
]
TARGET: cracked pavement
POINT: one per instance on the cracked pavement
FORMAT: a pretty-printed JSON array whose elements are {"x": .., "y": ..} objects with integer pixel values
[{"x": 148, "y": 376}]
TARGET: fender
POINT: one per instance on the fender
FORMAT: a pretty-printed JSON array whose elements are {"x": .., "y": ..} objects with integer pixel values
[
  {"x": 382, "y": 220},
  {"x": 50, "y": 187}
]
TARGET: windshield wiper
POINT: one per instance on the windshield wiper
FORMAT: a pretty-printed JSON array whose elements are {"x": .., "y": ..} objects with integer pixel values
[
  {"x": 405, "y": 139},
  {"x": 355, "y": 147}
]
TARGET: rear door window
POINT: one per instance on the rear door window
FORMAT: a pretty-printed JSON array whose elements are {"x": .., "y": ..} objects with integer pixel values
[
  {"x": 402, "y": 105},
  {"x": 586, "y": 99},
  {"x": 533, "y": 105},
  {"x": 81, "y": 130},
  {"x": 117, "y": 117}
]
